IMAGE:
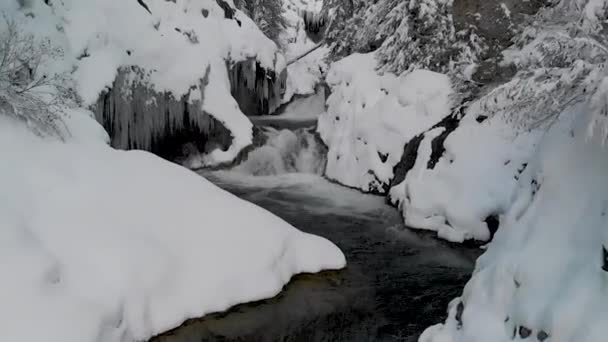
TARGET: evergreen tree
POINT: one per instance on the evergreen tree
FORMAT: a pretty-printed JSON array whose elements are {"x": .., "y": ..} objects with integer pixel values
[{"x": 406, "y": 33}]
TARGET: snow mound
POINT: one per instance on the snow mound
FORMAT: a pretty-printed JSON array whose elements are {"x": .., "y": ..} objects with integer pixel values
[
  {"x": 544, "y": 276},
  {"x": 106, "y": 245},
  {"x": 370, "y": 117},
  {"x": 475, "y": 178}
]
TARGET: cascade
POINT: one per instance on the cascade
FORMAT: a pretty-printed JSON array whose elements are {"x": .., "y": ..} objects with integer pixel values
[{"x": 286, "y": 151}]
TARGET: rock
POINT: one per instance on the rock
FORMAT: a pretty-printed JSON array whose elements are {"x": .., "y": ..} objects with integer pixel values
[
  {"x": 450, "y": 123},
  {"x": 228, "y": 10},
  {"x": 542, "y": 336},
  {"x": 604, "y": 259},
  {"x": 494, "y": 20},
  {"x": 524, "y": 332},
  {"x": 493, "y": 222},
  {"x": 459, "y": 311}
]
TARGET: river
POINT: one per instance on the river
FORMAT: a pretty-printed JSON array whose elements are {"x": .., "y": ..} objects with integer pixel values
[{"x": 397, "y": 282}]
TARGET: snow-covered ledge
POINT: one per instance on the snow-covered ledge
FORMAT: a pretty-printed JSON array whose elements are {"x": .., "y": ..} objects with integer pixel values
[{"x": 544, "y": 275}]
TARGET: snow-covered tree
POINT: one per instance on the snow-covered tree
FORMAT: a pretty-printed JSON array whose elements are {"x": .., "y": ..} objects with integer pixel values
[
  {"x": 267, "y": 14},
  {"x": 406, "y": 34}
]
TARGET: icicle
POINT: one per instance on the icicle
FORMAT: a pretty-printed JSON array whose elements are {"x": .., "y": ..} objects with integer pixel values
[{"x": 135, "y": 116}]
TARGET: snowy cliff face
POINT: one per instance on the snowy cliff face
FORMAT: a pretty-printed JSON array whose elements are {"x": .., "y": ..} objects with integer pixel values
[{"x": 181, "y": 49}]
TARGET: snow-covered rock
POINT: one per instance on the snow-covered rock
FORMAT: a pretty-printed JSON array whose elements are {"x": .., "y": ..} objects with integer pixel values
[
  {"x": 105, "y": 245},
  {"x": 176, "y": 44},
  {"x": 544, "y": 275},
  {"x": 456, "y": 185},
  {"x": 370, "y": 118}
]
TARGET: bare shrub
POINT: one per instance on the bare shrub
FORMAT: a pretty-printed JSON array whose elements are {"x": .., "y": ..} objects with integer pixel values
[{"x": 27, "y": 92}]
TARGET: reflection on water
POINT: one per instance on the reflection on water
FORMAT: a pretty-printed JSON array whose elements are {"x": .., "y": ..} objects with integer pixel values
[{"x": 397, "y": 282}]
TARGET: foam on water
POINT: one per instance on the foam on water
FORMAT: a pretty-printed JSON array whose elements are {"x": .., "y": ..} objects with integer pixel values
[{"x": 285, "y": 151}]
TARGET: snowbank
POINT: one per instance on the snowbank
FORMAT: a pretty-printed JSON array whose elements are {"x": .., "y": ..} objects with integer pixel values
[
  {"x": 542, "y": 275},
  {"x": 104, "y": 245},
  {"x": 177, "y": 43},
  {"x": 370, "y": 117},
  {"x": 475, "y": 178}
]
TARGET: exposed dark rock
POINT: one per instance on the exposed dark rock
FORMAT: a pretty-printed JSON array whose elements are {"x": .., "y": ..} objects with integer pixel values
[
  {"x": 410, "y": 150},
  {"x": 524, "y": 332},
  {"x": 490, "y": 19},
  {"x": 481, "y": 119},
  {"x": 143, "y": 4},
  {"x": 522, "y": 168},
  {"x": 496, "y": 22},
  {"x": 535, "y": 186},
  {"x": 205, "y": 12},
  {"x": 228, "y": 10},
  {"x": 459, "y": 311},
  {"x": 491, "y": 71},
  {"x": 137, "y": 117},
  {"x": 542, "y": 336},
  {"x": 383, "y": 157},
  {"x": 408, "y": 160},
  {"x": 604, "y": 259},
  {"x": 257, "y": 90},
  {"x": 449, "y": 123},
  {"x": 493, "y": 222}
]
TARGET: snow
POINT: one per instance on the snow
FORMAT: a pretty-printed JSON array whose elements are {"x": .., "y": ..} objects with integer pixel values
[
  {"x": 476, "y": 177},
  {"x": 302, "y": 75},
  {"x": 370, "y": 115},
  {"x": 107, "y": 245},
  {"x": 543, "y": 271},
  {"x": 300, "y": 108},
  {"x": 174, "y": 45}
]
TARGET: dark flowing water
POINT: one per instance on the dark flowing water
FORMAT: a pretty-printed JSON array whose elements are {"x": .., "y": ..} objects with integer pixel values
[{"x": 396, "y": 284}]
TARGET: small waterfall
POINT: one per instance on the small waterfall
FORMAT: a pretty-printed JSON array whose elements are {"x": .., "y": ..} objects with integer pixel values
[{"x": 286, "y": 151}]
